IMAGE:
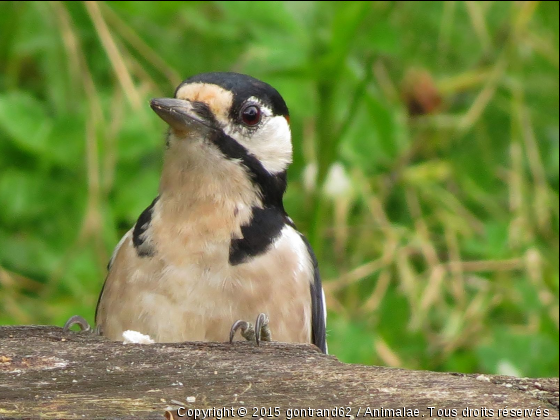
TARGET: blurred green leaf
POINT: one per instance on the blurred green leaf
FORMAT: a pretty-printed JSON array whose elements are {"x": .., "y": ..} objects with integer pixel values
[
  {"x": 19, "y": 195},
  {"x": 25, "y": 120},
  {"x": 529, "y": 354}
]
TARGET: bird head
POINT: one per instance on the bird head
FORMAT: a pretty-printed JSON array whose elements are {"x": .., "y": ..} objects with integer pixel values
[
  {"x": 229, "y": 121},
  {"x": 219, "y": 109}
]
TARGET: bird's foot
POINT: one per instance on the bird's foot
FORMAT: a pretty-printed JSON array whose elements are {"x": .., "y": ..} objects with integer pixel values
[
  {"x": 247, "y": 330},
  {"x": 260, "y": 332},
  {"x": 77, "y": 320}
]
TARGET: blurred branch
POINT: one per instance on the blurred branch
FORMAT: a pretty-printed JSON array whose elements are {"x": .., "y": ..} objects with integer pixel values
[
  {"x": 119, "y": 66},
  {"x": 485, "y": 95},
  {"x": 92, "y": 221},
  {"x": 544, "y": 47},
  {"x": 476, "y": 14},
  {"x": 385, "y": 83},
  {"x": 543, "y": 199},
  {"x": 13, "y": 281},
  {"x": 132, "y": 37},
  {"x": 487, "y": 265},
  {"x": 463, "y": 81},
  {"x": 359, "y": 93},
  {"x": 13, "y": 288},
  {"x": 446, "y": 27}
]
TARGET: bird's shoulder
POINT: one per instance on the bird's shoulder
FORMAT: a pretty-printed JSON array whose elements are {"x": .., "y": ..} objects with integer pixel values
[{"x": 126, "y": 236}]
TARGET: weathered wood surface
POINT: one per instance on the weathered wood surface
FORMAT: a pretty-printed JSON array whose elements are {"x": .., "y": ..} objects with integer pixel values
[{"x": 48, "y": 374}]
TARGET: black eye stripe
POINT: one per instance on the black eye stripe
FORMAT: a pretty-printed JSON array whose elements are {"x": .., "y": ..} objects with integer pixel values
[
  {"x": 272, "y": 186},
  {"x": 203, "y": 110}
]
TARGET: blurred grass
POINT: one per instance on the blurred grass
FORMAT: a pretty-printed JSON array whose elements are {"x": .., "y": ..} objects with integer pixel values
[{"x": 425, "y": 171}]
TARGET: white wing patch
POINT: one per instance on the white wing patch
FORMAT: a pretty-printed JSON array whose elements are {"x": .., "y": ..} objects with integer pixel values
[
  {"x": 325, "y": 316},
  {"x": 123, "y": 239},
  {"x": 290, "y": 237}
]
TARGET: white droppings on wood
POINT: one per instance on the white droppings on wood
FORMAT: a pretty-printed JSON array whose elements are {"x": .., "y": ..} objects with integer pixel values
[{"x": 135, "y": 337}]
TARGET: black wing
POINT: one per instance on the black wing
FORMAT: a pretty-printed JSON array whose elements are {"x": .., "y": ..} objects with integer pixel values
[
  {"x": 318, "y": 322},
  {"x": 99, "y": 301}
]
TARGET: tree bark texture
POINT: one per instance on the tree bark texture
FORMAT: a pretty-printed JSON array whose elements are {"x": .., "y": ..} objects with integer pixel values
[{"x": 46, "y": 373}]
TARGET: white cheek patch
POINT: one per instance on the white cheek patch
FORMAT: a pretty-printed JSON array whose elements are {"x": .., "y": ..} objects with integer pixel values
[{"x": 271, "y": 143}]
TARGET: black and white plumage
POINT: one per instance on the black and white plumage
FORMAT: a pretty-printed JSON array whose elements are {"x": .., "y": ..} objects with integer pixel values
[{"x": 216, "y": 245}]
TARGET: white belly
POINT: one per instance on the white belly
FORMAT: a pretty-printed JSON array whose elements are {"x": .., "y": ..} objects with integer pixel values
[{"x": 200, "y": 299}]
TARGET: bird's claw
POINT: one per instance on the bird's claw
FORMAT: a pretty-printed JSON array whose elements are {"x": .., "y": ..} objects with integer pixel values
[
  {"x": 260, "y": 332},
  {"x": 76, "y": 320},
  {"x": 246, "y": 328}
]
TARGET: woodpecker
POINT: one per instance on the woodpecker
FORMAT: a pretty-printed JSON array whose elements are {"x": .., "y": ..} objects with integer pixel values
[{"x": 215, "y": 249}]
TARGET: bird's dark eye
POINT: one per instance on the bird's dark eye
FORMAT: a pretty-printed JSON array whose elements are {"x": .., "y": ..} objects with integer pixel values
[{"x": 251, "y": 115}]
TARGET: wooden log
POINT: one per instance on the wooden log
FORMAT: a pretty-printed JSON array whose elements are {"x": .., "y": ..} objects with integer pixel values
[{"x": 46, "y": 373}]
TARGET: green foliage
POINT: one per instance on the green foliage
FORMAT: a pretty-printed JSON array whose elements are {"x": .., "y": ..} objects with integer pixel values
[{"x": 425, "y": 170}]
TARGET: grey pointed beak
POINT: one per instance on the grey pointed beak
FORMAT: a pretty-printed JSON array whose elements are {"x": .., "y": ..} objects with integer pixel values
[{"x": 181, "y": 115}]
